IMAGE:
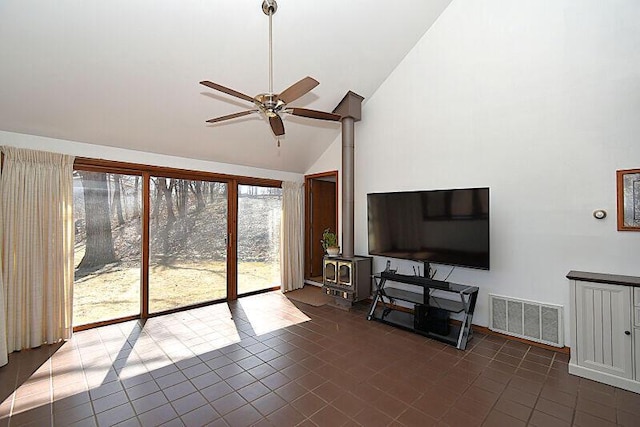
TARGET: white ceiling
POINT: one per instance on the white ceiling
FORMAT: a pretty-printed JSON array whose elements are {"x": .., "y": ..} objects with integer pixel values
[{"x": 125, "y": 73}]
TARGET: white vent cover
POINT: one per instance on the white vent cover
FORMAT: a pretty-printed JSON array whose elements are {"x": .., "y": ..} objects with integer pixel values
[{"x": 526, "y": 319}]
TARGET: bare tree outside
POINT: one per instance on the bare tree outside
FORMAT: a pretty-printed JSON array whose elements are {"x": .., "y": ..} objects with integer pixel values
[
  {"x": 117, "y": 200},
  {"x": 99, "y": 244}
]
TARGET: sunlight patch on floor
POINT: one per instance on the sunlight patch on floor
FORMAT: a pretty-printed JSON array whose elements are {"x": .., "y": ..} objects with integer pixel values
[{"x": 269, "y": 312}]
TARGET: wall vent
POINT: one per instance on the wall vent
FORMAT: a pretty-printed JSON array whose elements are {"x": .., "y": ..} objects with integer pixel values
[{"x": 530, "y": 320}]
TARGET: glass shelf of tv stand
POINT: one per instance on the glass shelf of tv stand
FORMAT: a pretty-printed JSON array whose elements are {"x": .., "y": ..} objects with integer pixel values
[
  {"x": 416, "y": 298},
  {"x": 387, "y": 312},
  {"x": 453, "y": 306},
  {"x": 404, "y": 320}
]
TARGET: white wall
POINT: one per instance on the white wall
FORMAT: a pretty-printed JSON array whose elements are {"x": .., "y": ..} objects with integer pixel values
[
  {"x": 118, "y": 154},
  {"x": 329, "y": 160},
  {"x": 538, "y": 100}
]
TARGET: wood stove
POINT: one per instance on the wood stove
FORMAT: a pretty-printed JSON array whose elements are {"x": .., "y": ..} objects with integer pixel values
[{"x": 348, "y": 279}]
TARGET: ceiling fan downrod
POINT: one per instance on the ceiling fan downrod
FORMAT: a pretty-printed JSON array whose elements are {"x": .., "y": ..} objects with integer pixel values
[{"x": 269, "y": 7}]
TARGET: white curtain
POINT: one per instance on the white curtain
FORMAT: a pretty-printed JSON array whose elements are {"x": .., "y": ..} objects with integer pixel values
[
  {"x": 37, "y": 246},
  {"x": 292, "y": 239},
  {"x": 4, "y": 359}
]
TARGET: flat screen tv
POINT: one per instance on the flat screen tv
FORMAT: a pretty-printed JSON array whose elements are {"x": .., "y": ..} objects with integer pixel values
[{"x": 440, "y": 226}]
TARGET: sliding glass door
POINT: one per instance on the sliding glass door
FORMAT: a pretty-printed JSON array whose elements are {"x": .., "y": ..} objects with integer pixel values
[
  {"x": 107, "y": 246},
  {"x": 150, "y": 240},
  {"x": 187, "y": 242},
  {"x": 259, "y": 215}
]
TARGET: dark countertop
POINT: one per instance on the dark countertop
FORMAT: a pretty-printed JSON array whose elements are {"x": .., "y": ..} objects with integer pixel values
[{"x": 613, "y": 279}]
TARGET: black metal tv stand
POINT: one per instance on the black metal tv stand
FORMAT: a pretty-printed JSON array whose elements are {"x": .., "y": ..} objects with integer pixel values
[{"x": 383, "y": 308}]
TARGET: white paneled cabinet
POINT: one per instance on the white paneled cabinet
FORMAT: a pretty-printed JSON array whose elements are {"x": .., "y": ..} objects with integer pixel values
[
  {"x": 603, "y": 315},
  {"x": 605, "y": 329}
]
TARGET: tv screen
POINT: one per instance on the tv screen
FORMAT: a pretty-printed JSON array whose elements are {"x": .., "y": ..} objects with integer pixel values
[{"x": 440, "y": 226}]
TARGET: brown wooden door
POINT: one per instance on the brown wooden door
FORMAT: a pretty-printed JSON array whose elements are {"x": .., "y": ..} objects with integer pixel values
[{"x": 322, "y": 215}]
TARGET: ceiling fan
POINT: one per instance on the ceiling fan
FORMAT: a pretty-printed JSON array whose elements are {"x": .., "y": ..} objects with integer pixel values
[{"x": 274, "y": 105}]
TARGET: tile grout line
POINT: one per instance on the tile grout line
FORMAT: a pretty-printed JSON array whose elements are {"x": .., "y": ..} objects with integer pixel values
[
  {"x": 522, "y": 358},
  {"x": 494, "y": 359}
]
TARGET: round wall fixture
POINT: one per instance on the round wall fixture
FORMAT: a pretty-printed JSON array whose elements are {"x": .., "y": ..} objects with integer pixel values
[{"x": 599, "y": 214}]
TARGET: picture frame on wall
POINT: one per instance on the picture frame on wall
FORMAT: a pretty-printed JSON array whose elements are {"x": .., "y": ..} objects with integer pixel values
[{"x": 628, "y": 184}]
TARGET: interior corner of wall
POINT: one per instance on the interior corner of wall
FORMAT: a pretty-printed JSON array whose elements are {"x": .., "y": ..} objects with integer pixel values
[{"x": 329, "y": 160}]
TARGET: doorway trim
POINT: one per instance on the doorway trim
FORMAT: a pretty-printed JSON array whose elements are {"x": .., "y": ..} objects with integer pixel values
[{"x": 307, "y": 214}]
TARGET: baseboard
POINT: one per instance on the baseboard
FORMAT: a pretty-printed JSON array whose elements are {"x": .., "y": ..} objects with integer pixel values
[{"x": 482, "y": 329}]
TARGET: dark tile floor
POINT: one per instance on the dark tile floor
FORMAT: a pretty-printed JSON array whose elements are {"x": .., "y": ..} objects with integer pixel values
[{"x": 267, "y": 362}]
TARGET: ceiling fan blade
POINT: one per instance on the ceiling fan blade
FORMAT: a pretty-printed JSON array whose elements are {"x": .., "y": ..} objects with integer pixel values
[
  {"x": 226, "y": 90},
  {"x": 231, "y": 116},
  {"x": 313, "y": 114},
  {"x": 298, "y": 89},
  {"x": 276, "y": 125}
]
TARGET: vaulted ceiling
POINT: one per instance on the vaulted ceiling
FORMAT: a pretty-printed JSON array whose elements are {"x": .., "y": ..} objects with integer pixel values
[{"x": 125, "y": 73}]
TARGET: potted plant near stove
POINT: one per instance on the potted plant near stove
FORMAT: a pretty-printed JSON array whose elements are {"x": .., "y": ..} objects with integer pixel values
[{"x": 330, "y": 242}]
